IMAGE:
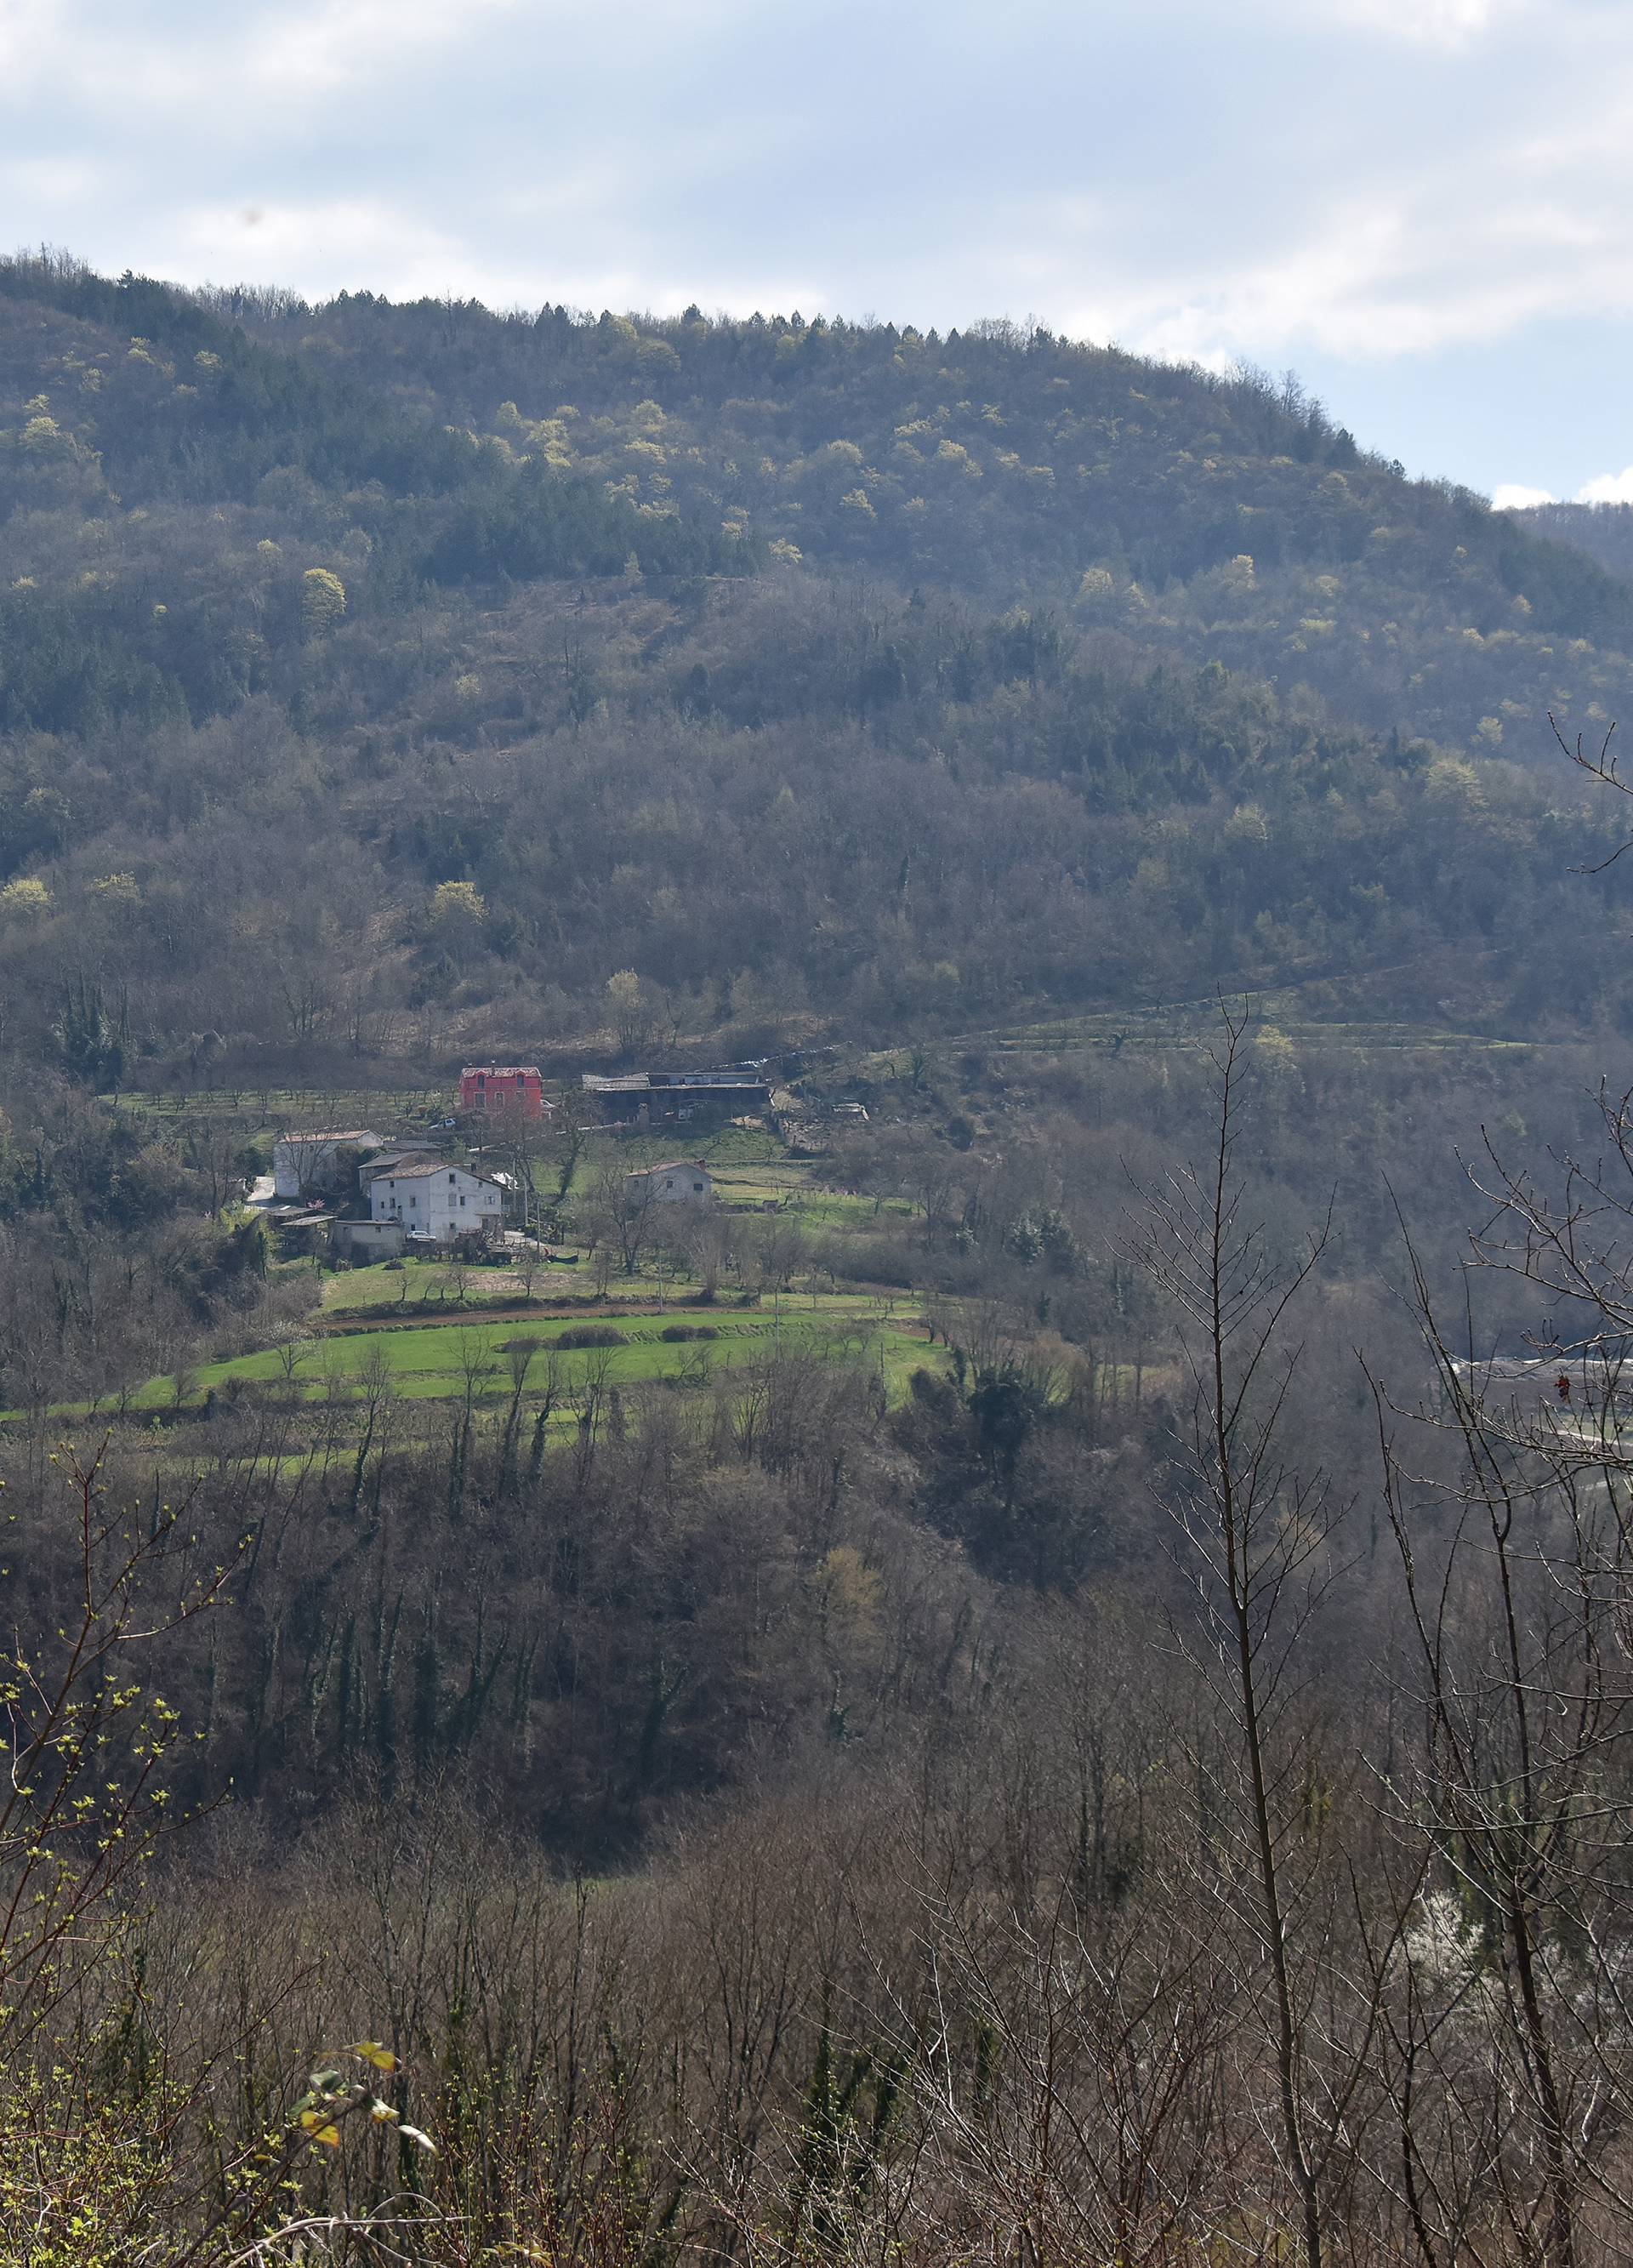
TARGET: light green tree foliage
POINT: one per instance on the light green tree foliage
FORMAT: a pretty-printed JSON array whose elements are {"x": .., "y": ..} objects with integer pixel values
[
  {"x": 458, "y": 912},
  {"x": 1275, "y": 1053},
  {"x": 26, "y": 898},
  {"x": 630, "y": 1011},
  {"x": 322, "y": 600}
]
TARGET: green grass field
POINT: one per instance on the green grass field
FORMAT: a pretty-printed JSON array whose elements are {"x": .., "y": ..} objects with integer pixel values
[
  {"x": 727, "y": 1150},
  {"x": 797, "y": 1190},
  {"x": 432, "y": 1362},
  {"x": 429, "y": 1286}
]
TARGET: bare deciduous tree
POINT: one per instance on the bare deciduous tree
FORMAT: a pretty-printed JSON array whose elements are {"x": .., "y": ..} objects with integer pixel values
[{"x": 1259, "y": 1537}]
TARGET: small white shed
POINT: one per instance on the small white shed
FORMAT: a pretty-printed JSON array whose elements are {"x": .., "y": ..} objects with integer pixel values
[{"x": 682, "y": 1180}]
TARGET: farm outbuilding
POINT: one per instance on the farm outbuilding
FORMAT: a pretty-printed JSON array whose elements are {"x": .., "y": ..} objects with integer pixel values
[
  {"x": 683, "y": 1180},
  {"x": 730, "y": 1090},
  {"x": 320, "y": 1164},
  {"x": 367, "y": 1240}
]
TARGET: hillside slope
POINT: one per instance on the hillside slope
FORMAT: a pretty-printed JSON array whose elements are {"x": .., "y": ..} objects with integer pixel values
[
  {"x": 382, "y": 680},
  {"x": 1232, "y": 520},
  {"x": 1603, "y": 531}
]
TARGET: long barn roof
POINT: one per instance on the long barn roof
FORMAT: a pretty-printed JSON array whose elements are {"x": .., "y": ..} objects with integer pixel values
[{"x": 345, "y": 1134}]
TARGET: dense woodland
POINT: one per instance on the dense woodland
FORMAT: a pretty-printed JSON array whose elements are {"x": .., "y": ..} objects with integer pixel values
[
  {"x": 1604, "y": 531},
  {"x": 1155, "y": 1789},
  {"x": 824, "y": 676}
]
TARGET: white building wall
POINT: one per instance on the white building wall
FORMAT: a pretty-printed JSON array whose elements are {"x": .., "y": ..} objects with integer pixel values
[
  {"x": 370, "y": 1240},
  {"x": 444, "y": 1205},
  {"x": 673, "y": 1185}
]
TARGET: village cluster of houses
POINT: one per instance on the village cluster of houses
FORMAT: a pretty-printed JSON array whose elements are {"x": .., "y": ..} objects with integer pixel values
[
  {"x": 413, "y": 1194},
  {"x": 375, "y": 1197}
]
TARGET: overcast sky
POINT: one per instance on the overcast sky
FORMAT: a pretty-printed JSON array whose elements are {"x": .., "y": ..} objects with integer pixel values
[{"x": 1423, "y": 206}]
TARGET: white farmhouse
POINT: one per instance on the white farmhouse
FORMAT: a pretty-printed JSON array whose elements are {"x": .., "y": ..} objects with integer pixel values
[
  {"x": 681, "y": 1182},
  {"x": 307, "y": 1164},
  {"x": 433, "y": 1198}
]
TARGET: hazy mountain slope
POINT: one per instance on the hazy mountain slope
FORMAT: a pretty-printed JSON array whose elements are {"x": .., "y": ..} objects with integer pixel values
[{"x": 1603, "y": 531}]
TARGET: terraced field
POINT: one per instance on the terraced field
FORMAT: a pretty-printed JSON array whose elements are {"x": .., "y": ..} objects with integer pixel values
[
  {"x": 438, "y": 1362},
  {"x": 246, "y": 1108},
  {"x": 1334, "y": 1011},
  {"x": 797, "y": 1190},
  {"x": 427, "y": 1289}
]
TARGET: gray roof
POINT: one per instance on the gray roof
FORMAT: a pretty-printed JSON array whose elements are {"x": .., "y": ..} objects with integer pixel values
[{"x": 346, "y": 1134}]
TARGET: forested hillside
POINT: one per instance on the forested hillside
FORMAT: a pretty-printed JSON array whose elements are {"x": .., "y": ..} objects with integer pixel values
[
  {"x": 826, "y": 677},
  {"x": 1604, "y": 531},
  {"x": 1036, "y": 1667}
]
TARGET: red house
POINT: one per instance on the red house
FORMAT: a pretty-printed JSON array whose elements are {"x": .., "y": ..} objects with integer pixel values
[{"x": 502, "y": 1091}]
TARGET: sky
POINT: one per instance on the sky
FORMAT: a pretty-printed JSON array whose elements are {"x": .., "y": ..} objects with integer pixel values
[{"x": 1424, "y": 207}]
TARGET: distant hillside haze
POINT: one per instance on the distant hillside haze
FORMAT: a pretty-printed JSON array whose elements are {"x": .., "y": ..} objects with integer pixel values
[
  {"x": 1604, "y": 531},
  {"x": 824, "y": 677}
]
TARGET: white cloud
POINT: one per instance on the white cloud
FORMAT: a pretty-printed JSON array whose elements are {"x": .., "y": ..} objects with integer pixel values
[
  {"x": 1514, "y": 496},
  {"x": 234, "y": 74},
  {"x": 1460, "y": 248},
  {"x": 28, "y": 40},
  {"x": 1426, "y": 23},
  {"x": 350, "y": 243},
  {"x": 1610, "y": 488},
  {"x": 63, "y": 181},
  {"x": 326, "y": 49},
  {"x": 1384, "y": 183},
  {"x": 344, "y": 240}
]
